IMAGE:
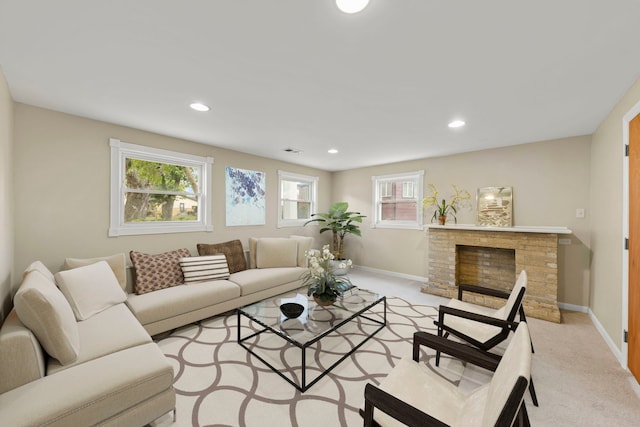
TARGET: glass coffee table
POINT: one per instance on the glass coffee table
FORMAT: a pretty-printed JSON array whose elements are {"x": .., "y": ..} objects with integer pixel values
[{"x": 345, "y": 327}]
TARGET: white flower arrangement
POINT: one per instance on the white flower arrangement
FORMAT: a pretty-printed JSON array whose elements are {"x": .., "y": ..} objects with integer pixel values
[{"x": 321, "y": 278}]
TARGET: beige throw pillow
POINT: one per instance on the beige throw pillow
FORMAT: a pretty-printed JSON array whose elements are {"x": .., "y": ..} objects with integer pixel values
[
  {"x": 90, "y": 289},
  {"x": 276, "y": 252},
  {"x": 43, "y": 309},
  {"x": 304, "y": 244},
  {"x": 117, "y": 262},
  {"x": 203, "y": 268}
]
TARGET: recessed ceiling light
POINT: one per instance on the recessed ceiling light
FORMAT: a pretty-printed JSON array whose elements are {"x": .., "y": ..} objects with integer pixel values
[
  {"x": 199, "y": 106},
  {"x": 456, "y": 124},
  {"x": 351, "y": 6},
  {"x": 332, "y": 151}
]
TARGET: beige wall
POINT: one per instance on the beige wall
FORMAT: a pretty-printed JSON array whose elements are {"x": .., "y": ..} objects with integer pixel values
[
  {"x": 550, "y": 180},
  {"x": 61, "y": 173},
  {"x": 606, "y": 208},
  {"x": 6, "y": 211}
]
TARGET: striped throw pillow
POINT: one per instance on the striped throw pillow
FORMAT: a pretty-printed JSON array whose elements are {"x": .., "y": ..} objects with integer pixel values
[{"x": 201, "y": 268}]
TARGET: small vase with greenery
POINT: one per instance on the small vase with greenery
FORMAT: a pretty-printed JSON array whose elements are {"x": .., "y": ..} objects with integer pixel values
[
  {"x": 340, "y": 222},
  {"x": 324, "y": 285},
  {"x": 444, "y": 209}
]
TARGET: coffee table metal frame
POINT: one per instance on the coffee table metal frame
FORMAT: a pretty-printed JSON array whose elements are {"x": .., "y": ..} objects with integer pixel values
[{"x": 304, "y": 386}]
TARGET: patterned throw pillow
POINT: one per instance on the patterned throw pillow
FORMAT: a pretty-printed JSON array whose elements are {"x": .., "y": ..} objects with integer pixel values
[
  {"x": 202, "y": 268},
  {"x": 231, "y": 249},
  {"x": 154, "y": 272}
]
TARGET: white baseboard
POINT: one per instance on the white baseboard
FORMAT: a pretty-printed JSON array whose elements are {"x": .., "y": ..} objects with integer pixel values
[
  {"x": 392, "y": 273},
  {"x": 612, "y": 346},
  {"x": 573, "y": 307}
]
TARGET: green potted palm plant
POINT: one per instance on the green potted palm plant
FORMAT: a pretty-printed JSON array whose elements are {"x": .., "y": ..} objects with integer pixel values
[{"x": 340, "y": 222}]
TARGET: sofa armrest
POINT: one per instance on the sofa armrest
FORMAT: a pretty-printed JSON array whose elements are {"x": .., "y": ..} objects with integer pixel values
[
  {"x": 91, "y": 392},
  {"x": 22, "y": 359}
]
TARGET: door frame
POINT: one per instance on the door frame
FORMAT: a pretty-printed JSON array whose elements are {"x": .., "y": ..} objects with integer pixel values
[{"x": 626, "y": 119}]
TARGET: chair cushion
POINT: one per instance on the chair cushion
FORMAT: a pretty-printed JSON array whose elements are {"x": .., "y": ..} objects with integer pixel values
[
  {"x": 276, "y": 252},
  {"x": 203, "y": 268},
  {"x": 159, "y": 271},
  {"x": 475, "y": 330},
  {"x": 90, "y": 289},
  {"x": 42, "y": 308},
  {"x": 231, "y": 249},
  {"x": 117, "y": 262},
  {"x": 515, "y": 363},
  {"x": 420, "y": 387}
]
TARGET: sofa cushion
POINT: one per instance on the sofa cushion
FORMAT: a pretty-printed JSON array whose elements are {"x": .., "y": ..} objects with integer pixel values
[
  {"x": 203, "y": 268},
  {"x": 255, "y": 280},
  {"x": 40, "y": 267},
  {"x": 109, "y": 331},
  {"x": 95, "y": 392},
  {"x": 304, "y": 244},
  {"x": 117, "y": 262},
  {"x": 42, "y": 308},
  {"x": 177, "y": 300},
  {"x": 159, "y": 271},
  {"x": 276, "y": 252},
  {"x": 231, "y": 249},
  {"x": 90, "y": 289}
]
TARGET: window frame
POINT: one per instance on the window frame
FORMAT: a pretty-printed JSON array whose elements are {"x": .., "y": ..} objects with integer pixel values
[
  {"x": 313, "y": 194},
  {"x": 120, "y": 151},
  {"x": 417, "y": 178}
]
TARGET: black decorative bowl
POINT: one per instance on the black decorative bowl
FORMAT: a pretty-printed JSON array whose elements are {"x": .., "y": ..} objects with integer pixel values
[{"x": 291, "y": 309}]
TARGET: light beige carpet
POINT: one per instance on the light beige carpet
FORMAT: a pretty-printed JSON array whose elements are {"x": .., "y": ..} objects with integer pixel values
[
  {"x": 218, "y": 383},
  {"x": 578, "y": 380}
]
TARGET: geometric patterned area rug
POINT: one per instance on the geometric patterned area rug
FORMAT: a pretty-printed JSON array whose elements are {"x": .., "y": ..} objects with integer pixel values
[{"x": 219, "y": 383}]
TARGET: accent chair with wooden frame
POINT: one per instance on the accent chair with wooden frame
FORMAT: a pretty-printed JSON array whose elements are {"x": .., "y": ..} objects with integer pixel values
[
  {"x": 484, "y": 327},
  {"x": 414, "y": 395}
]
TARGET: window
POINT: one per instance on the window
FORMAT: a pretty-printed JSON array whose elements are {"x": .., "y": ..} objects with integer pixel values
[
  {"x": 158, "y": 191},
  {"x": 298, "y": 198},
  {"x": 397, "y": 200}
]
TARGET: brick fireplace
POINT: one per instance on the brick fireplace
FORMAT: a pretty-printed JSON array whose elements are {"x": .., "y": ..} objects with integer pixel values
[{"x": 493, "y": 257}]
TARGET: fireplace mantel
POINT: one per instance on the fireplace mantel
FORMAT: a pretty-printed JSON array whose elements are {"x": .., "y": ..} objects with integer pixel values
[
  {"x": 517, "y": 229},
  {"x": 488, "y": 256}
]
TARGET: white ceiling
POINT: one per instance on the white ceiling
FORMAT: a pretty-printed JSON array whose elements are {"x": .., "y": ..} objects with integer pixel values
[{"x": 380, "y": 86}]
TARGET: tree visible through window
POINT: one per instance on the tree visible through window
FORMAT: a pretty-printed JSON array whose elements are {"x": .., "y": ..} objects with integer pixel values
[
  {"x": 160, "y": 192},
  {"x": 157, "y": 191}
]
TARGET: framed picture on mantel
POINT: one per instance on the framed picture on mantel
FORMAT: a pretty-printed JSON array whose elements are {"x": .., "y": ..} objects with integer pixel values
[{"x": 495, "y": 206}]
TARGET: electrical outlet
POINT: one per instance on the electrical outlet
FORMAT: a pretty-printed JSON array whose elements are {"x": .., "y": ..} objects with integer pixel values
[
  {"x": 580, "y": 213},
  {"x": 564, "y": 241}
]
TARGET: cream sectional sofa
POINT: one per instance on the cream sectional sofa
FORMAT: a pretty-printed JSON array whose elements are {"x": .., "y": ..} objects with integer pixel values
[
  {"x": 59, "y": 371},
  {"x": 275, "y": 266},
  {"x": 100, "y": 366}
]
